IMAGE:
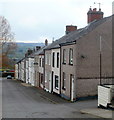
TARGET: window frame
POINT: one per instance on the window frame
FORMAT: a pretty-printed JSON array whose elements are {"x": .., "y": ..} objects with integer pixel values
[
  {"x": 53, "y": 59},
  {"x": 56, "y": 87},
  {"x": 70, "y": 56},
  {"x": 58, "y": 59},
  {"x": 64, "y": 81},
  {"x": 64, "y": 56}
]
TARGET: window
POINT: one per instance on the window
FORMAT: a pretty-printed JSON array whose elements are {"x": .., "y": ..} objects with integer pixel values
[
  {"x": 53, "y": 59},
  {"x": 64, "y": 81},
  {"x": 56, "y": 81},
  {"x": 58, "y": 60},
  {"x": 64, "y": 56},
  {"x": 71, "y": 77},
  {"x": 49, "y": 59},
  {"x": 71, "y": 56},
  {"x": 46, "y": 58},
  {"x": 41, "y": 78},
  {"x": 46, "y": 75},
  {"x": 40, "y": 62}
]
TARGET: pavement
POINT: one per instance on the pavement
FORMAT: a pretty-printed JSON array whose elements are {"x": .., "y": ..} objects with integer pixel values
[{"x": 99, "y": 112}]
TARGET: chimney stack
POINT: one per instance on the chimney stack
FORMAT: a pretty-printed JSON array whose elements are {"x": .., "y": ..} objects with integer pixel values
[
  {"x": 46, "y": 42},
  {"x": 70, "y": 28},
  {"x": 38, "y": 47},
  {"x": 94, "y": 14},
  {"x": 29, "y": 52}
]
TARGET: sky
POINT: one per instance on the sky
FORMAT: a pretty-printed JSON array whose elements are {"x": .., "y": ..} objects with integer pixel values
[{"x": 34, "y": 21}]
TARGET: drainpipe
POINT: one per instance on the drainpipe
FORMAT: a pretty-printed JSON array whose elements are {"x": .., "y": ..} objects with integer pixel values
[
  {"x": 100, "y": 61},
  {"x": 44, "y": 72},
  {"x": 75, "y": 76},
  {"x": 60, "y": 68}
]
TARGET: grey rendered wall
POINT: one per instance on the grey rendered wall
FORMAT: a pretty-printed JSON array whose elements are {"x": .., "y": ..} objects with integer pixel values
[
  {"x": 88, "y": 68},
  {"x": 68, "y": 69}
]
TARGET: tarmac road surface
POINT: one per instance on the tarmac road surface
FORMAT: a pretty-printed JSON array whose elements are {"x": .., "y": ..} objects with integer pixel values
[{"x": 24, "y": 101}]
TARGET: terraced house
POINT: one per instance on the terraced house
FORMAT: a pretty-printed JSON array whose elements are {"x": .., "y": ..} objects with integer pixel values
[
  {"x": 39, "y": 65},
  {"x": 77, "y": 62}
]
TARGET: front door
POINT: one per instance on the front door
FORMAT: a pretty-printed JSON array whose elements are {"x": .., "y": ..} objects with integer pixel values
[
  {"x": 72, "y": 92},
  {"x": 52, "y": 82}
]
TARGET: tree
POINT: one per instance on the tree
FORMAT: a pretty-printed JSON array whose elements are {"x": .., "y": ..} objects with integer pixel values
[{"x": 7, "y": 44}]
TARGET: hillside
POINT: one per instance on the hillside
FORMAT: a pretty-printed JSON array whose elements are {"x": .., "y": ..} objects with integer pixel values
[{"x": 22, "y": 48}]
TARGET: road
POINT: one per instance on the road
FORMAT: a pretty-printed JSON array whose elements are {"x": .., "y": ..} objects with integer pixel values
[{"x": 24, "y": 101}]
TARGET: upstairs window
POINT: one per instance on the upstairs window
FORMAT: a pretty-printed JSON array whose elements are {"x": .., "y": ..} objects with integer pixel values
[
  {"x": 42, "y": 62},
  {"x": 49, "y": 59},
  {"x": 46, "y": 57},
  {"x": 58, "y": 60},
  {"x": 53, "y": 60},
  {"x": 64, "y": 56},
  {"x": 71, "y": 56}
]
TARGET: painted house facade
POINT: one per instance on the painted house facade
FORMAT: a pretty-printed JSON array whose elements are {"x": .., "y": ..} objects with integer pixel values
[
  {"x": 39, "y": 64},
  {"x": 23, "y": 70},
  {"x": 31, "y": 70},
  {"x": 56, "y": 70},
  {"x": 48, "y": 85},
  {"x": 27, "y": 70},
  {"x": 80, "y": 77},
  {"x": 68, "y": 71},
  {"x": 16, "y": 71},
  {"x": 39, "y": 68}
]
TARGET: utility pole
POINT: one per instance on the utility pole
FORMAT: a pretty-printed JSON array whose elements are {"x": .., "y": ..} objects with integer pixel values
[{"x": 100, "y": 59}]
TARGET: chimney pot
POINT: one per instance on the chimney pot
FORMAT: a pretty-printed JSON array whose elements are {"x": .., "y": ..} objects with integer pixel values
[
  {"x": 95, "y": 9},
  {"x": 90, "y": 9},
  {"x": 94, "y": 15},
  {"x": 46, "y": 42}
]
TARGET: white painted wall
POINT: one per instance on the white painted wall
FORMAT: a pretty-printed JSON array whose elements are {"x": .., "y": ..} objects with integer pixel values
[
  {"x": 31, "y": 71},
  {"x": 22, "y": 70},
  {"x": 16, "y": 71},
  {"x": 41, "y": 69},
  {"x": 56, "y": 70},
  {"x": 27, "y": 71},
  {"x": 19, "y": 70}
]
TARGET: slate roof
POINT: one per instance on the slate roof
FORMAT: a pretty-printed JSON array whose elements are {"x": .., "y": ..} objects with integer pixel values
[
  {"x": 75, "y": 35},
  {"x": 40, "y": 51}
]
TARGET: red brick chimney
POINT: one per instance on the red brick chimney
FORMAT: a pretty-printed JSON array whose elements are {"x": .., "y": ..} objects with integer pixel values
[
  {"x": 94, "y": 15},
  {"x": 70, "y": 28}
]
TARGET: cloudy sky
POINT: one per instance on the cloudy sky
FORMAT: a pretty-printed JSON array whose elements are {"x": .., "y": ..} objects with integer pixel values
[{"x": 36, "y": 20}]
